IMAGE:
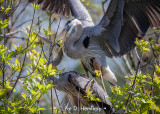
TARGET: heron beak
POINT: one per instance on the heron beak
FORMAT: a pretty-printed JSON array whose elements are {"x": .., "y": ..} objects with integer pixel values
[
  {"x": 58, "y": 37},
  {"x": 64, "y": 31},
  {"x": 65, "y": 37}
]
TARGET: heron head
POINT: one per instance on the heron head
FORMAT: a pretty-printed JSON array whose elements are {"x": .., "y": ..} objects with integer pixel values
[{"x": 69, "y": 28}]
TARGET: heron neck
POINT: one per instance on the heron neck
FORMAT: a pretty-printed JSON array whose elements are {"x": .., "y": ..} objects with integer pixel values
[
  {"x": 72, "y": 44},
  {"x": 80, "y": 12}
]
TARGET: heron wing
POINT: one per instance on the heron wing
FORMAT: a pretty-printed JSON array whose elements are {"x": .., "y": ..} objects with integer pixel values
[
  {"x": 65, "y": 7},
  {"x": 84, "y": 85},
  {"x": 126, "y": 20}
]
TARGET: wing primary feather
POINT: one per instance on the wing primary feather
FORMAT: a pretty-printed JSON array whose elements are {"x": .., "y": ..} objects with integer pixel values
[
  {"x": 56, "y": 6},
  {"x": 67, "y": 8},
  {"x": 138, "y": 16},
  {"x": 52, "y": 5},
  {"x": 32, "y": 1},
  {"x": 151, "y": 17},
  {"x": 40, "y": 1},
  {"x": 46, "y": 5},
  {"x": 109, "y": 12},
  {"x": 155, "y": 14}
]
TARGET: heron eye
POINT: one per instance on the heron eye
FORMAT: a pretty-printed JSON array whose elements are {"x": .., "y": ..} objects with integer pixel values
[{"x": 67, "y": 25}]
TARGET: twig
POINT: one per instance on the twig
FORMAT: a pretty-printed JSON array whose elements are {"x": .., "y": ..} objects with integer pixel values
[
  {"x": 58, "y": 28},
  {"x": 18, "y": 75},
  {"x": 154, "y": 52},
  {"x": 22, "y": 24},
  {"x": 19, "y": 14},
  {"x": 156, "y": 57},
  {"x": 3, "y": 61},
  {"x": 43, "y": 52},
  {"x": 35, "y": 67},
  {"x": 151, "y": 94},
  {"x": 78, "y": 102},
  {"x": 28, "y": 21},
  {"x": 10, "y": 76},
  {"x": 50, "y": 54},
  {"x": 10, "y": 33},
  {"x": 147, "y": 64},
  {"x": 28, "y": 45},
  {"x": 58, "y": 100},
  {"x": 38, "y": 59},
  {"x": 32, "y": 105},
  {"x": 3, "y": 69},
  {"x": 51, "y": 47},
  {"x": 50, "y": 28},
  {"x": 22, "y": 38},
  {"x": 14, "y": 9},
  {"x": 52, "y": 101},
  {"x": 23, "y": 59},
  {"x": 132, "y": 88}
]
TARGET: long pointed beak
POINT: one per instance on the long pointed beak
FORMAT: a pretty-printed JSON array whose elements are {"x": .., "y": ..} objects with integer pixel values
[
  {"x": 65, "y": 31},
  {"x": 65, "y": 37},
  {"x": 59, "y": 36}
]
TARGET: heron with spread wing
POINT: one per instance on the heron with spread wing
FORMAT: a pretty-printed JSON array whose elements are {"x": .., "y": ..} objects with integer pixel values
[{"x": 123, "y": 22}]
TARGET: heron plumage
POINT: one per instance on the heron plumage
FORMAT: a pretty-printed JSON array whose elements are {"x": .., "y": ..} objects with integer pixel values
[
  {"x": 123, "y": 22},
  {"x": 133, "y": 22}
]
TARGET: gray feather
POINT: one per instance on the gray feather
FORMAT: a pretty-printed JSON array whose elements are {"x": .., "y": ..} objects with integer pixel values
[
  {"x": 77, "y": 85},
  {"x": 123, "y": 24},
  {"x": 66, "y": 7}
]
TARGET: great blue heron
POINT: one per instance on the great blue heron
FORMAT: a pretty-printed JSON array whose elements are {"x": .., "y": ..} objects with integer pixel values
[
  {"x": 77, "y": 85},
  {"x": 123, "y": 22}
]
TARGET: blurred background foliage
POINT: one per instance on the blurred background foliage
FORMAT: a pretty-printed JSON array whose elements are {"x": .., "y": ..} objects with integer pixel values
[{"x": 23, "y": 67}]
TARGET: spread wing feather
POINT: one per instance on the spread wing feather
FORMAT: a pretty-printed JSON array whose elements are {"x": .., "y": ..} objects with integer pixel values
[
  {"x": 58, "y": 6},
  {"x": 65, "y": 7},
  {"x": 130, "y": 20}
]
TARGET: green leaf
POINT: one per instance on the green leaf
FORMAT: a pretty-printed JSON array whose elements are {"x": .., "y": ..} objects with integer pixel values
[
  {"x": 47, "y": 32},
  {"x": 7, "y": 85},
  {"x": 49, "y": 86},
  {"x": 142, "y": 45},
  {"x": 35, "y": 6},
  {"x": 7, "y": 9},
  {"x": 98, "y": 73},
  {"x": 157, "y": 69},
  {"x": 40, "y": 109},
  {"x": 3, "y": 24},
  {"x": 24, "y": 95},
  {"x": 144, "y": 107},
  {"x": 14, "y": 46},
  {"x": 2, "y": 92}
]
